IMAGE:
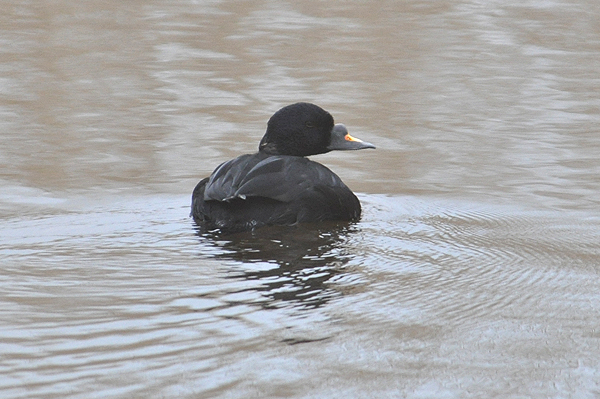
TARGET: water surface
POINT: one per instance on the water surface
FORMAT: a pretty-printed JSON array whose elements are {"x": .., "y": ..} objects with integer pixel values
[{"x": 473, "y": 272}]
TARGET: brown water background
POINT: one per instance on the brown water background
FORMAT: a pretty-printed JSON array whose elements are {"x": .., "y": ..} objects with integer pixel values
[{"x": 474, "y": 272}]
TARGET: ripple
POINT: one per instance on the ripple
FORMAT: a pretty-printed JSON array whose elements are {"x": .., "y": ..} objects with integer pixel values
[{"x": 457, "y": 263}]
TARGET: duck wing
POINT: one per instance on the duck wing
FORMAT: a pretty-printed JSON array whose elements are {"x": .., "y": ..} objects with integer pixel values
[{"x": 283, "y": 178}]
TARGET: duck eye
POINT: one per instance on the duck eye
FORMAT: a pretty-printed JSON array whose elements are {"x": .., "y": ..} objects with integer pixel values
[{"x": 309, "y": 124}]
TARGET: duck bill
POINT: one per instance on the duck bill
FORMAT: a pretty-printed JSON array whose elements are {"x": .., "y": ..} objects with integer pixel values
[{"x": 341, "y": 140}]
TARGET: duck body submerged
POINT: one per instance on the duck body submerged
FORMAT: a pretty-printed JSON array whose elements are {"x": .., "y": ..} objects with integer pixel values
[
  {"x": 278, "y": 185},
  {"x": 255, "y": 190}
]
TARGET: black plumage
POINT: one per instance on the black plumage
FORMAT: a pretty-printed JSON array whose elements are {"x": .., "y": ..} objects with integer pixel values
[{"x": 278, "y": 185}]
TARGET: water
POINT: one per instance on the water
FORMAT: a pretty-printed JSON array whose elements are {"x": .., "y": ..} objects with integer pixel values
[{"x": 473, "y": 272}]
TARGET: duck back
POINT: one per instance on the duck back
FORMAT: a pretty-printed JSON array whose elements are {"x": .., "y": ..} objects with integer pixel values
[{"x": 255, "y": 190}]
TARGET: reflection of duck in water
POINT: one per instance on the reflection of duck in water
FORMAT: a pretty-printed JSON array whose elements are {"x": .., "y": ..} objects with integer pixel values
[
  {"x": 290, "y": 266},
  {"x": 278, "y": 185}
]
